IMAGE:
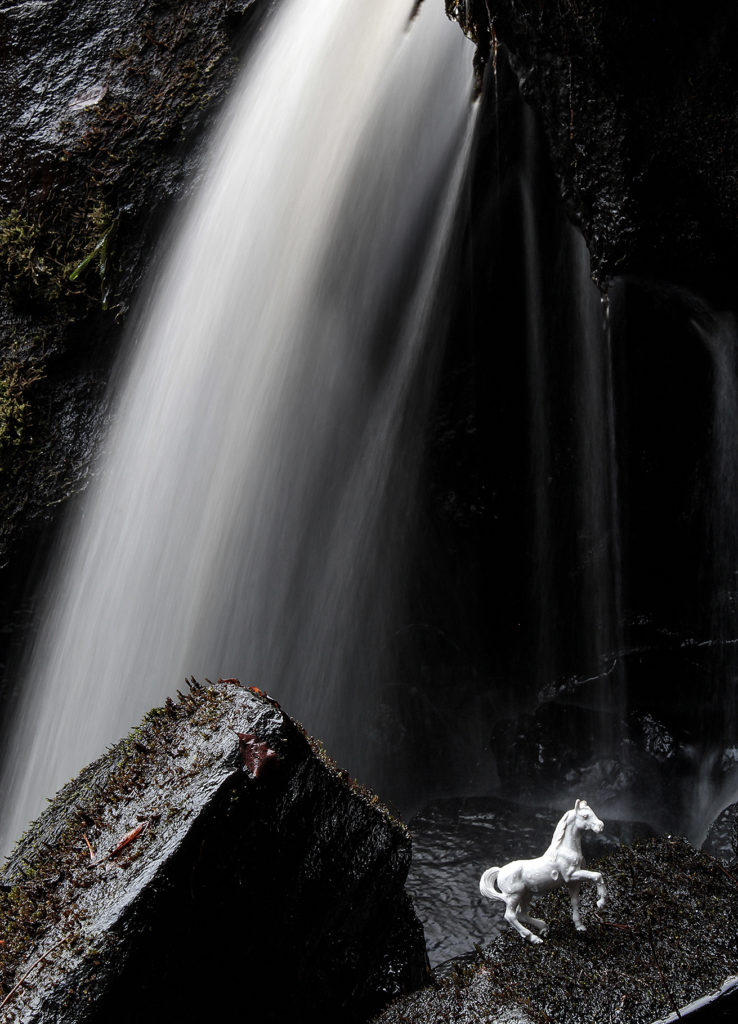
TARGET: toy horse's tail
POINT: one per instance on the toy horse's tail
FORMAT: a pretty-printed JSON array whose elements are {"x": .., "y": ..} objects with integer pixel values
[{"x": 487, "y": 885}]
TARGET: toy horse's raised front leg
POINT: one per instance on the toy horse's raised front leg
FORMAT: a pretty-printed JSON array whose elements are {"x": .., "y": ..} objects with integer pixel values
[
  {"x": 573, "y": 888},
  {"x": 592, "y": 876}
]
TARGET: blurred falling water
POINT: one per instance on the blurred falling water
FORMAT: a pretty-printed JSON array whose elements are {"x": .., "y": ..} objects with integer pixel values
[
  {"x": 539, "y": 416},
  {"x": 575, "y": 528},
  {"x": 251, "y": 516},
  {"x": 717, "y": 756},
  {"x": 600, "y": 556}
]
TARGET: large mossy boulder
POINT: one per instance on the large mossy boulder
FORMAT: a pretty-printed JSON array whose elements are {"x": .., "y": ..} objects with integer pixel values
[
  {"x": 214, "y": 862},
  {"x": 666, "y": 943}
]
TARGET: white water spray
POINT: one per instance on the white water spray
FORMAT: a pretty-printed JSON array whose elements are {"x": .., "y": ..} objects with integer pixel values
[{"x": 253, "y": 508}]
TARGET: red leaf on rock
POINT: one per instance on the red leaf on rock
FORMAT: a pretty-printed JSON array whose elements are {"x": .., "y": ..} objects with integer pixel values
[
  {"x": 261, "y": 693},
  {"x": 254, "y": 753}
]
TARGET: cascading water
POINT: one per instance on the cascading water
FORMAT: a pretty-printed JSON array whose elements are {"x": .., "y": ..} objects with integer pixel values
[
  {"x": 251, "y": 513},
  {"x": 539, "y": 418},
  {"x": 600, "y": 557},
  {"x": 573, "y": 521},
  {"x": 716, "y": 756},
  {"x": 576, "y": 558}
]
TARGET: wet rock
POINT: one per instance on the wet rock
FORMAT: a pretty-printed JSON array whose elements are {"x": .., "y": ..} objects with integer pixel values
[
  {"x": 548, "y": 742},
  {"x": 656, "y": 739},
  {"x": 215, "y": 861},
  {"x": 721, "y": 840},
  {"x": 639, "y": 107},
  {"x": 665, "y": 944},
  {"x": 633, "y": 762},
  {"x": 566, "y": 748}
]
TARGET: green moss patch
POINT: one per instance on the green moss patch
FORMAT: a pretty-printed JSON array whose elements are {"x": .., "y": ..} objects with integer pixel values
[
  {"x": 43, "y": 264},
  {"x": 16, "y": 387}
]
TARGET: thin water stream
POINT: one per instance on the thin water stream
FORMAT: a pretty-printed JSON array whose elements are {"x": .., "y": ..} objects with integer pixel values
[
  {"x": 599, "y": 547},
  {"x": 716, "y": 755},
  {"x": 252, "y": 511}
]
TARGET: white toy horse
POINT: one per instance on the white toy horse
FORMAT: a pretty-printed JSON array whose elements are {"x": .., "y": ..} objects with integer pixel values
[{"x": 561, "y": 864}]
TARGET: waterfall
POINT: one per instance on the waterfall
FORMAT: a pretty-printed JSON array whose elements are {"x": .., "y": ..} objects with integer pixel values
[
  {"x": 253, "y": 512},
  {"x": 599, "y": 548},
  {"x": 575, "y": 546},
  {"x": 716, "y": 755},
  {"x": 539, "y": 414}
]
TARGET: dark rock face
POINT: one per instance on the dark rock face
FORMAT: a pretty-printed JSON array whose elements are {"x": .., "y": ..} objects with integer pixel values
[
  {"x": 565, "y": 748},
  {"x": 101, "y": 120},
  {"x": 722, "y": 838},
  {"x": 215, "y": 860},
  {"x": 666, "y": 939},
  {"x": 639, "y": 107}
]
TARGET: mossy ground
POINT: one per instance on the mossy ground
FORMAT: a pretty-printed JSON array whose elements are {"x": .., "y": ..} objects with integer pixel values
[{"x": 668, "y": 936}]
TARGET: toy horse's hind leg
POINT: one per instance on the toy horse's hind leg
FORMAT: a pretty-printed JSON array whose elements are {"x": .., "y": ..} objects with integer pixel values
[
  {"x": 534, "y": 922},
  {"x": 573, "y": 888},
  {"x": 514, "y": 905}
]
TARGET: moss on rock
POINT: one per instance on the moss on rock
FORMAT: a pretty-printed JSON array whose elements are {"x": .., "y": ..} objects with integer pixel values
[
  {"x": 668, "y": 936},
  {"x": 17, "y": 382}
]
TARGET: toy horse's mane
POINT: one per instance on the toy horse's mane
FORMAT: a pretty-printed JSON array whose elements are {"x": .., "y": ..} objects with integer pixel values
[{"x": 558, "y": 836}]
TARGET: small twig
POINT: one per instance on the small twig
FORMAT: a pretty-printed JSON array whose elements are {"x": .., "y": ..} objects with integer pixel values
[
  {"x": 89, "y": 847},
  {"x": 128, "y": 838},
  {"x": 33, "y": 967},
  {"x": 724, "y": 870},
  {"x": 157, "y": 42},
  {"x": 616, "y": 924}
]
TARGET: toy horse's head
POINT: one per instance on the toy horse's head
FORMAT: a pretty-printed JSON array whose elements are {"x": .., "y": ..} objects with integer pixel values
[{"x": 586, "y": 817}]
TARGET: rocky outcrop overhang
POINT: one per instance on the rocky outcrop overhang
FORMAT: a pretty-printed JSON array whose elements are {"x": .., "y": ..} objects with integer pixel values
[{"x": 639, "y": 103}]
